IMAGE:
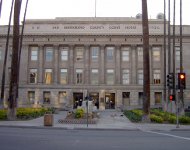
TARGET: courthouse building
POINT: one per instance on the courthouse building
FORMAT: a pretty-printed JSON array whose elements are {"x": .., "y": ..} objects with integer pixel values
[{"x": 63, "y": 60}]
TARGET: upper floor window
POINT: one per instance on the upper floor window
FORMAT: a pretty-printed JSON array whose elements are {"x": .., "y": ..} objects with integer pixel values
[
  {"x": 33, "y": 75},
  {"x": 48, "y": 76},
  {"x": 34, "y": 53},
  {"x": 125, "y": 54},
  {"x": 94, "y": 53},
  {"x": 79, "y": 53},
  {"x": 140, "y": 77},
  {"x": 125, "y": 76},
  {"x": 177, "y": 53},
  {"x": 94, "y": 76},
  {"x": 49, "y": 53},
  {"x": 63, "y": 76},
  {"x": 110, "y": 53},
  {"x": 64, "y": 53},
  {"x": 156, "y": 76},
  {"x": 79, "y": 76},
  {"x": 156, "y": 53},
  {"x": 140, "y": 53},
  {"x": 110, "y": 76}
]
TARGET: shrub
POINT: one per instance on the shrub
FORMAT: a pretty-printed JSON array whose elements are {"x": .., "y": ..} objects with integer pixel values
[
  {"x": 184, "y": 120},
  {"x": 3, "y": 114},
  {"x": 172, "y": 119},
  {"x": 156, "y": 119},
  {"x": 79, "y": 113},
  {"x": 132, "y": 115}
]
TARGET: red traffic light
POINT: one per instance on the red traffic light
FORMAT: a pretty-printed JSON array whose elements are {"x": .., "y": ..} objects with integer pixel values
[{"x": 171, "y": 98}]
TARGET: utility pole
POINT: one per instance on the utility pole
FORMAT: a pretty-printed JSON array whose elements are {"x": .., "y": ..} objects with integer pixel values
[
  {"x": 146, "y": 66},
  {"x": 165, "y": 98},
  {"x": 12, "y": 101}
]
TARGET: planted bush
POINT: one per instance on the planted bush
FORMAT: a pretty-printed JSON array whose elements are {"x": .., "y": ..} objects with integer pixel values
[
  {"x": 156, "y": 119},
  {"x": 133, "y": 115},
  {"x": 79, "y": 113},
  {"x": 3, "y": 114},
  {"x": 184, "y": 120}
]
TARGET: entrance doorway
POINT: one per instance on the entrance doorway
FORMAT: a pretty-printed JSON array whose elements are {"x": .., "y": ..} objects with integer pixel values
[
  {"x": 77, "y": 99},
  {"x": 95, "y": 98},
  {"x": 109, "y": 100}
]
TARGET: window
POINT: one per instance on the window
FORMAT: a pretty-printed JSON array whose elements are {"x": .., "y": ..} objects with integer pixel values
[
  {"x": 110, "y": 76},
  {"x": 94, "y": 76},
  {"x": 63, "y": 76},
  {"x": 140, "y": 53},
  {"x": 156, "y": 53},
  {"x": 33, "y": 75},
  {"x": 64, "y": 53},
  {"x": 79, "y": 76},
  {"x": 46, "y": 97},
  {"x": 158, "y": 97},
  {"x": 177, "y": 53},
  {"x": 94, "y": 53},
  {"x": 34, "y": 53},
  {"x": 79, "y": 53},
  {"x": 125, "y": 76},
  {"x": 140, "y": 77},
  {"x": 140, "y": 98},
  {"x": 110, "y": 53},
  {"x": 49, "y": 54},
  {"x": 63, "y": 97},
  {"x": 125, "y": 54},
  {"x": 156, "y": 76},
  {"x": 48, "y": 76},
  {"x": 31, "y": 97}
]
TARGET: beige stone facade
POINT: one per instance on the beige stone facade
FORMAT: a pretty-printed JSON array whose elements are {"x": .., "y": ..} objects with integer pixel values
[{"x": 64, "y": 60}]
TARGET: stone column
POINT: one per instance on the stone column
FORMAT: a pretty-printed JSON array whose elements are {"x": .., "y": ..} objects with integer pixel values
[
  {"x": 102, "y": 64},
  {"x": 118, "y": 64},
  {"x": 71, "y": 72},
  {"x": 56, "y": 64},
  {"x": 41, "y": 65},
  {"x": 87, "y": 65},
  {"x": 133, "y": 73}
]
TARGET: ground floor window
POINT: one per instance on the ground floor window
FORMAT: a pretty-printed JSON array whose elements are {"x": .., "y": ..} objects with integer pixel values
[
  {"x": 126, "y": 98},
  {"x": 31, "y": 97},
  {"x": 95, "y": 99},
  {"x": 46, "y": 97},
  {"x": 77, "y": 99},
  {"x": 140, "y": 98},
  {"x": 62, "y": 97},
  {"x": 158, "y": 97}
]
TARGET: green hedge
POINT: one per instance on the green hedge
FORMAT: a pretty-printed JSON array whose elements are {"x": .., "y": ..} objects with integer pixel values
[
  {"x": 156, "y": 116},
  {"x": 27, "y": 113}
]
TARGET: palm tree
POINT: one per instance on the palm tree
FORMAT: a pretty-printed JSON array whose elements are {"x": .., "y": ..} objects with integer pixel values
[
  {"x": 14, "y": 64},
  {"x": 146, "y": 67}
]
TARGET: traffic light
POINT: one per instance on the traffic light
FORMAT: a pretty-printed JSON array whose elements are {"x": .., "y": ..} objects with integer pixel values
[
  {"x": 172, "y": 98},
  {"x": 181, "y": 81},
  {"x": 170, "y": 79}
]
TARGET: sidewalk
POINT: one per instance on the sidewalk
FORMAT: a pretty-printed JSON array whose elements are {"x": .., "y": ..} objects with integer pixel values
[{"x": 108, "y": 120}]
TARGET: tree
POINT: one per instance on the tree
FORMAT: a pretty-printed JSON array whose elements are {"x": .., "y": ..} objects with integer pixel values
[
  {"x": 12, "y": 101},
  {"x": 146, "y": 66}
]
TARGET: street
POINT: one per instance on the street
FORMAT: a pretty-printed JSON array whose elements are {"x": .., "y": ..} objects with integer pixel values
[{"x": 60, "y": 139}]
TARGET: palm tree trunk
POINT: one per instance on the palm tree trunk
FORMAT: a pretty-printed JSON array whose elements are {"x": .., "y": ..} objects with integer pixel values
[
  {"x": 146, "y": 67},
  {"x": 14, "y": 64}
]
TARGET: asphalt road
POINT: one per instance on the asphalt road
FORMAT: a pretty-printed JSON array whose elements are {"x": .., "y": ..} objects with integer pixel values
[{"x": 59, "y": 139}]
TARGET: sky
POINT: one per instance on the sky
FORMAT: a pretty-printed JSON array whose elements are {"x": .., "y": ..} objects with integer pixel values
[{"x": 50, "y": 9}]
